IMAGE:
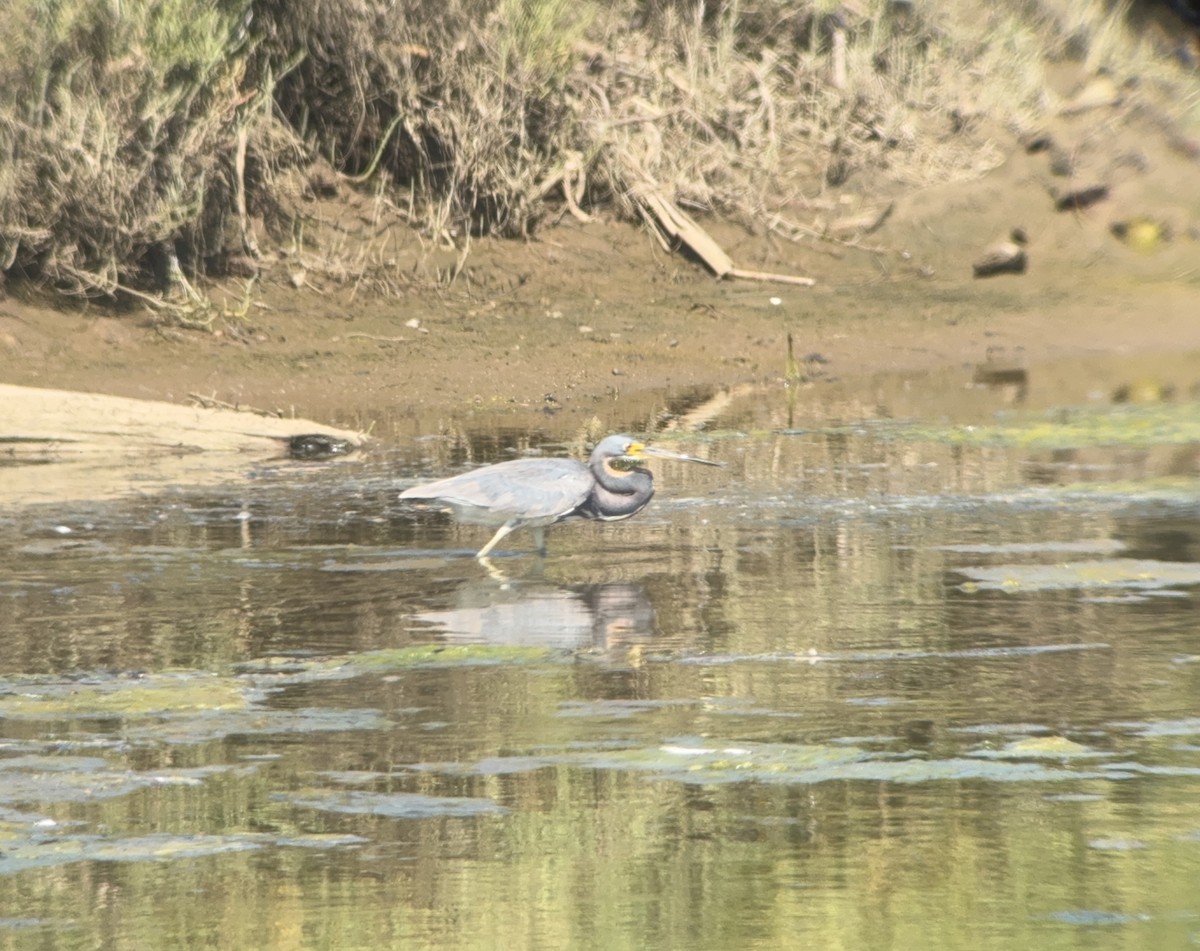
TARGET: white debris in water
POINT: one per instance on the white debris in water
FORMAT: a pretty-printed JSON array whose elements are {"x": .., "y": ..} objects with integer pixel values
[{"x": 686, "y": 750}]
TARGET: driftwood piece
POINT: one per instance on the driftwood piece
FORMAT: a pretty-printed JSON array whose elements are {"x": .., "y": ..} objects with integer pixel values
[
  {"x": 674, "y": 225},
  {"x": 57, "y": 445}
]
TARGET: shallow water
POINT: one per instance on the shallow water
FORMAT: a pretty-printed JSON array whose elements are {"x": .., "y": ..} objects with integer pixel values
[{"x": 879, "y": 682}]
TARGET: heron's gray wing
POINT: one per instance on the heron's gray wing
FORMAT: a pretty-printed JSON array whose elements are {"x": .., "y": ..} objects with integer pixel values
[{"x": 527, "y": 489}]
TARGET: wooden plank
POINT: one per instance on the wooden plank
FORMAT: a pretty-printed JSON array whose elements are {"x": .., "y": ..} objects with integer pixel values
[
  {"x": 679, "y": 226},
  {"x": 674, "y": 224}
]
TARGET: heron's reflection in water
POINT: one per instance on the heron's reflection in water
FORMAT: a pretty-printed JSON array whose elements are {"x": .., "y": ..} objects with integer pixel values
[{"x": 590, "y": 616}]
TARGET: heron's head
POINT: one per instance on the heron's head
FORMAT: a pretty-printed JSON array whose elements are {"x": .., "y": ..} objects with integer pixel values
[
  {"x": 620, "y": 447},
  {"x": 618, "y": 454}
]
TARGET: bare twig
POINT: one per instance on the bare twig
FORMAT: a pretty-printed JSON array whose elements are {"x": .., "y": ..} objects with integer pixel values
[
  {"x": 377, "y": 338},
  {"x": 768, "y": 276},
  {"x": 249, "y": 241}
]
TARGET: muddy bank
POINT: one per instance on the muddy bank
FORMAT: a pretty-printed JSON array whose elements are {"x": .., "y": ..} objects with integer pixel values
[
  {"x": 597, "y": 315},
  {"x": 587, "y": 314}
]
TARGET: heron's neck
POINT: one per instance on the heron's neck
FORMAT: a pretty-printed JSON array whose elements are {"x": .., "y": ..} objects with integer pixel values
[{"x": 615, "y": 497}]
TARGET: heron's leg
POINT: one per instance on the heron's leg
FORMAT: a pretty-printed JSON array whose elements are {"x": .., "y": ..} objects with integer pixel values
[
  {"x": 493, "y": 572},
  {"x": 503, "y": 530},
  {"x": 539, "y": 539}
]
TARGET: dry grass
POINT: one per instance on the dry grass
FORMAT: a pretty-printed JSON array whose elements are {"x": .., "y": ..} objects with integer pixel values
[{"x": 140, "y": 136}]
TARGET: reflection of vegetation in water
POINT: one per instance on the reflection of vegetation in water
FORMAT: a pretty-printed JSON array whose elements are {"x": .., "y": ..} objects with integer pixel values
[{"x": 396, "y": 805}]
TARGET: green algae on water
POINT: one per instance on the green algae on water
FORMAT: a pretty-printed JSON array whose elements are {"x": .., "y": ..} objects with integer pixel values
[
  {"x": 1076, "y": 428},
  {"x": 140, "y": 696},
  {"x": 1116, "y": 573},
  {"x": 345, "y": 666}
]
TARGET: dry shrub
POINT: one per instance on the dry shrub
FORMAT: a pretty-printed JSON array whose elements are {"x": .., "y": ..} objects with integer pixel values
[
  {"x": 120, "y": 123},
  {"x": 489, "y": 107},
  {"x": 117, "y": 123},
  {"x": 759, "y": 111},
  {"x": 465, "y": 99},
  {"x": 486, "y": 103}
]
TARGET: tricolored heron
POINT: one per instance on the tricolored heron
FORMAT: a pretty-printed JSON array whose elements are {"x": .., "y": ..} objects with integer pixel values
[{"x": 534, "y": 493}]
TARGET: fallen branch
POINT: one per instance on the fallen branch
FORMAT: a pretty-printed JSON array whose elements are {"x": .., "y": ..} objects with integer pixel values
[
  {"x": 211, "y": 402},
  {"x": 376, "y": 337}
]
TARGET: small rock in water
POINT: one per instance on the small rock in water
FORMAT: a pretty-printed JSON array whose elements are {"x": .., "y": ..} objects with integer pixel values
[
  {"x": 318, "y": 446},
  {"x": 1076, "y": 199}
]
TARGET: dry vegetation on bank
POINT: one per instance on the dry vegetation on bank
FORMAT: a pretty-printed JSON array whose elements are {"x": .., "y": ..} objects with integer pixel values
[{"x": 145, "y": 143}]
